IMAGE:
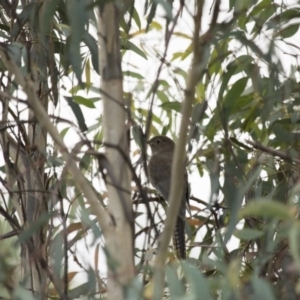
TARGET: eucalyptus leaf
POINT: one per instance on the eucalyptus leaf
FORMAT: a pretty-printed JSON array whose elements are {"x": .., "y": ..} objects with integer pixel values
[
  {"x": 266, "y": 208},
  {"x": 175, "y": 105},
  {"x": 248, "y": 234},
  {"x": 77, "y": 112},
  {"x": 128, "y": 45},
  {"x": 198, "y": 284}
]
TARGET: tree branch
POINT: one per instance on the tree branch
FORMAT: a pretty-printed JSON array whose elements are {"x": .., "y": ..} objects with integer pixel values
[
  {"x": 44, "y": 120},
  {"x": 285, "y": 155},
  {"x": 201, "y": 50}
]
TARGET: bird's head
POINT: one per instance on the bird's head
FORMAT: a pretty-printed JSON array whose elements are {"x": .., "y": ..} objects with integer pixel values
[{"x": 161, "y": 143}]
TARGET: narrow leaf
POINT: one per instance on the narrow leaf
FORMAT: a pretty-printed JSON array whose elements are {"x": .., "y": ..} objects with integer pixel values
[
  {"x": 248, "y": 234},
  {"x": 77, "y": 112},
  {"x": 127, "y": 45},
  {"x": 198, "y": 284},
  {"x": 266, "y": 208},
  {"x": 175, "y": 105},
  {"x": 92, "y": 45}
]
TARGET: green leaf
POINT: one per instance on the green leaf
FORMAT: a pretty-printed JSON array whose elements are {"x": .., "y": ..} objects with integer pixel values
[
  {"x": 240, "y": 6},
  {"x": 197, "y": 115},
  {"x": 262, "y": 289},
  {"x": 163, "y": 83},
  {"x": 75, "y": 58},
  {"x": 198, "y": 111},
  {"x": 34, "y": 227},
  {"x": 81, "y": 290},
  {"x": 288, "y": 31},
  {"x": 226, "y": 77},
  {"x": 137, "y": 134},
  {"x": 175, "y": 105},
  {"x": 151, "y": 14},
  {"x": 64, "y": 132},
  {"x": 262, "y": 6},
  {"x": 167, "y": 7},
  {"x": 134, "y": 290},
  {"x": 78, "y": 19},
  {"x": 187, "y": 52},
  {"x": 91, "y": 280},
  {"x": 242, "y": 38},
  {"x": 176, "y": 55},
  {"x": 282, "y": 134},
  {"x": 200, "y": 92},
  {"x": 240, "y": 63},
  {"x": 53, "y": 161},
  {"x": 23, "y": 17},
  {"x": 198, "y": 284},
  {"x": 175, "y": 285},
  {"x": 162, "y": 96},
  {"x": 183, "y": 35},
  {"x": 5, "y": 28},
  {"x": 127, "y": 45},
  {"x": 285, "y": 16},
  {"x": 85, "y": 218},
  {"x": 92, "y": 45},
  {"x": 48, "y": 10},
  {"x": 218, "y": 55},
  {"x": 235, "y": 91},
  {"x": 231, "y": 4},
  {"x": 85, "y": 162},
  {"x": 136, "y": 18},
  {"x": 77, "y": 112},
  {"x": 133, "y": 74},
  {"x": 264, "y": 15},
  {"x": 294, "y": 243},
  {"x": 85, "y": 101},
  {"x": 266, "y": 208},
  {"x": 88, "y": 73},
  {"x": 22, "y": 294},
  {"x": 155, "y": 25},
  {"x": 57, "y": 248},
  {"x": 248, "y": 234},
  {"x": 181, "y": 72},
  {"x": 15, "y": 52}
]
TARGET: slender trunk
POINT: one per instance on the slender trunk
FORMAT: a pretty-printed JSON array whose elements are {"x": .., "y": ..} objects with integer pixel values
[
  {"x": 34, "y": 251},
  {"x": 120, "y": 244}
]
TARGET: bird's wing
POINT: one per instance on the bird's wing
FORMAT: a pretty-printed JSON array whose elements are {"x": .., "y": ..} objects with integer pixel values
[
  {"x": 160, "y": 177},
  {"x": 160, "y": 173}
]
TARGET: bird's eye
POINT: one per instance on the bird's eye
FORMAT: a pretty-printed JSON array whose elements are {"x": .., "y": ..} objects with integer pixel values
[{"x": 157, "y": 141}]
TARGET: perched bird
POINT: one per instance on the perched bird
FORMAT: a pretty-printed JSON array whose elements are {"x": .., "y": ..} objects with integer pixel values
[{"x": 159, "y": 169}]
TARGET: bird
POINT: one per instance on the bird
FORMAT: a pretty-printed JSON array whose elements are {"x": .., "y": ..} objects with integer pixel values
[{"x": 159, "y": 170}]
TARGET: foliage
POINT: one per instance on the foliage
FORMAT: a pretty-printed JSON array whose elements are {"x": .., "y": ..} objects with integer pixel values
[{"x": 244, "y": 240}]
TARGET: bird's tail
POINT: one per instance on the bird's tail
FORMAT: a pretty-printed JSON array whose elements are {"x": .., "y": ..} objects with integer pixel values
[{"x": 179, "y": 239}]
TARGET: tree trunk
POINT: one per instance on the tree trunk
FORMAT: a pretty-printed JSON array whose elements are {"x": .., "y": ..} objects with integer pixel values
[
  {"x": 120, "y": 244},
  {"x": 34, "y": 251}
]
